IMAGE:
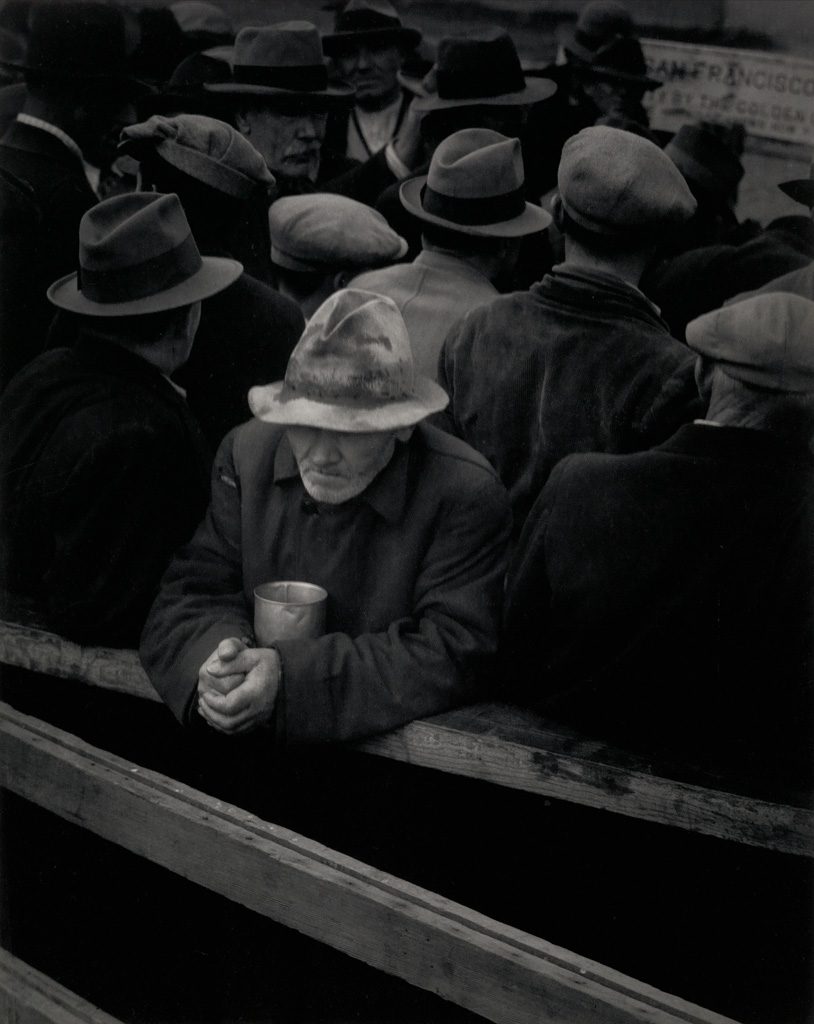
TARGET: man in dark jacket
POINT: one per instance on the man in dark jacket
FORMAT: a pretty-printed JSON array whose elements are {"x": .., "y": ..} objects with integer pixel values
[
  {"x": 666, "y": 599},
  {"x": 102, "y": 468},
  {"x": 582, "y": 361},
  {"x": 337, "y": 483},
  {"x": 77, "y": 92},
  {"x": 248, "y": 330}
]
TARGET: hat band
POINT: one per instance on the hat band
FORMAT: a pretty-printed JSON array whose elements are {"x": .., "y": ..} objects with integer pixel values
[
  {"x": 482, "y": 210},
  {"x": 458, "y": 85},
  {"x": 139, "y": 280},
  {"x": 303, "y": 78}
]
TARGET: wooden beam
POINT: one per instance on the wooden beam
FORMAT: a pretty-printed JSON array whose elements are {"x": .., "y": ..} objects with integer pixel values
[
  {"x": 503, "y": 745},
  {"x": 499, "y": 972},
  {"x": 29, "y": 997}
]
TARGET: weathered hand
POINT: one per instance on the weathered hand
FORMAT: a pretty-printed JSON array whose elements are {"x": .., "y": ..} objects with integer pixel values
[
  {"x": 218, "y": 674},
  {"x": 248, "y": 704}
]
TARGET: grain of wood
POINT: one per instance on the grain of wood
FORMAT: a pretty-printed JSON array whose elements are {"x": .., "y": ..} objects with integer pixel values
[
  {"x": 503, "y": 745},
  {"x": 30, "y": 997},
  {"x": 499, "y": 972}
]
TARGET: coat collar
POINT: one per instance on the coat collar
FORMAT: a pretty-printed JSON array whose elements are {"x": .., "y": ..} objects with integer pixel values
[
  {"x": 739, "y": 443},
  {"x": 386, "y": 495},
  {"x": 29, "y": 139},
  {"x": 110, "y": 358}
]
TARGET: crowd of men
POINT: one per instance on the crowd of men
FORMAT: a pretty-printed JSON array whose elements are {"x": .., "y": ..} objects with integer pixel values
[
  {"x": 316, "y": 224},
  {"x": 474, "y": 349}
]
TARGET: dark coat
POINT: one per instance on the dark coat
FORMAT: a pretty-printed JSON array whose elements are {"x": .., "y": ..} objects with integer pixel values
[
  {"x": 61, "y": 193},
  {"x": 701, "y": 280},
  {"x": 413, "y": 568},
  {"x": 245, "y": 337},
  {"x": 580, "y": 362},
  {"x": 103, "y": 474},
  {"x": 664, "y": 599}
]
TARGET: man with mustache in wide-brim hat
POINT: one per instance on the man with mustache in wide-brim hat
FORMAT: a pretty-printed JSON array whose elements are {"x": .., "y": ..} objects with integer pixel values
[
  {"x": 337, "y": 482},
  {"x": 281, "y": 95}
]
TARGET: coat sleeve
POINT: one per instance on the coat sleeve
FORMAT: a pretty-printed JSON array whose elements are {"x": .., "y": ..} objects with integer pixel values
[
  {"x": 201, "y": 599},
  {"x": 341, "y": 687}
]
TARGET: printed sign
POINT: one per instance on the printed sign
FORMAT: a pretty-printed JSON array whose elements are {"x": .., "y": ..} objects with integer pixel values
[{"x": 771, "y": 94}]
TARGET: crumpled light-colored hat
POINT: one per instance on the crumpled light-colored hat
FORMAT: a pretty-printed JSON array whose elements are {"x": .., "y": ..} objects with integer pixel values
[
  {"x": 475, "y": 186},
  {"x": 321, "y": 231},
  {"x": 765, "y": 340},
  {"x": 472, "y": 72},
  {"x": 612, "y": 182},
  {"x": 368, "y": 21},
  {"x": 801, "y": 190},
  {"x": 137, "y": 255},
  {"x": 352, "y": 370},
  {"x": 210, "y": 151},
  {"x": 283, "y": 60}
]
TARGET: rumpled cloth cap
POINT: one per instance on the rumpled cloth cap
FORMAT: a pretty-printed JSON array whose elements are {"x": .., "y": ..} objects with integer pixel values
[
  {"x": 767, "y": 340},
  {"x": 330, "y": 232},
  {"x": 613, "y": 182},
  {"x": 206, "y": 149}
]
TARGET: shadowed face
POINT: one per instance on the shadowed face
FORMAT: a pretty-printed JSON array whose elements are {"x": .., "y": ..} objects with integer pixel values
[
  {"x": 289, "y": 141},
  {"x": 336, "y": 466},
  {"x": 371, "y": 70}
]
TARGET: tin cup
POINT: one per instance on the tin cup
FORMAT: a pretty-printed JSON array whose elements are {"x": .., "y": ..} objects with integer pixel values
[{"x": 288, "y": 610}]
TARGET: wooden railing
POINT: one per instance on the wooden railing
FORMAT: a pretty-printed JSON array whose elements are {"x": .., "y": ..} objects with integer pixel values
[
  {"x": 496, "y": 743},
  {"x": 497, "y": 971},
  {"x": 29, "y": 997}
]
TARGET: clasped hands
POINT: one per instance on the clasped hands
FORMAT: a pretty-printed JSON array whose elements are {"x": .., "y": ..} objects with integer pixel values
[{"x": 238, "y": 686}]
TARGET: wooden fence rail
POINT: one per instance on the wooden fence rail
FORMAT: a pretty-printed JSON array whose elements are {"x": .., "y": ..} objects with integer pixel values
[
  {"x": 495, "y": 743},
  {"x": 504, "y": 974},
  {"x": 29, "y": 997}
]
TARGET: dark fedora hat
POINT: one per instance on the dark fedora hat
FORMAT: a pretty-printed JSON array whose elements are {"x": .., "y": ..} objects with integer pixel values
[
  {"x": 137, "y": 255},
  {"x": 375, "y": 22},
  {"x": 801, "y": 190},
  {"x": 283, "y": 60},
  {"x": 471, "y": 72},
  {"x": 704, "y": 158},
  {"x": 80, "y": 41},
  {"x": 604, "y": 45},
  {"x": 475, "y": 186}
]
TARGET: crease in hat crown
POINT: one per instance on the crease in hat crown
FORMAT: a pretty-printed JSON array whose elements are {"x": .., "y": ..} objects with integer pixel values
[
  {"x": 374, "y": 21},
  {"x": 352, "y": 370},
  {"x": 327, "y": 232},
  {"x": 204, "y": 148},
  {"x": 285, "y": 58},
  {"x": 137, "y": 255},
  {"x": 765, "y": 340},
  {"x": 611, "y": 181},
  {"x": 475, "y": 186},
  {"x": 473, "y": 71}
]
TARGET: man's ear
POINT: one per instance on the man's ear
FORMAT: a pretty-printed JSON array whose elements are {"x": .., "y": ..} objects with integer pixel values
[
  {"x": 404, "y": 434},
  {"x": 341, "y": 279},
  {"x": 704, "y": 370},
  {"x": 243, "y": 123},
  {"x": 557, "y": 211}
]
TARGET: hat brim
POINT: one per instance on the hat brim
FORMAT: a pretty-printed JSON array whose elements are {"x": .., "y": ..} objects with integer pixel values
[
  {"x": 530, "y": 221},
  {"x": 590, "y": 70},
  {"x": 800, "y": 190},
  {"x": 332, "y": 95},
  {"x": 335, "y": 43},
  {"x": 125, "y": 84},
  {"x": 274, "y": 403},
  {"x": 536, "y": 90},
  {"x": 216, "y": 274}
]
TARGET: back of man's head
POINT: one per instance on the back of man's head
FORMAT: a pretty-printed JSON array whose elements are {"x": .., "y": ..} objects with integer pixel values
[{"x": 618, "y": 193}]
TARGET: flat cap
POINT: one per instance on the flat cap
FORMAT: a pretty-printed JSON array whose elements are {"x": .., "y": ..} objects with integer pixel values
[
  {"x": 202, "y": 147},
  {"x": 767, "y": 340},
  {"x": 613, "y": 182},
  {"x": 323, "y": 232}
]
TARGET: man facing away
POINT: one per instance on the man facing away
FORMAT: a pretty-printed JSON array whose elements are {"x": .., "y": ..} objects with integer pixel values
[
  {"x": 582, "y": 361},
  {"x": 102, "y": 467},
  {"x": 473, "y": 216},
  {"x": 665, "y": 598},
  {"x": 338, "y": 483}
]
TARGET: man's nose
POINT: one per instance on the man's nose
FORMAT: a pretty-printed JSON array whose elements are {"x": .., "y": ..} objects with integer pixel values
[
  {"x": 324, "y": 451},
  {"x": 363, "y": 60}
]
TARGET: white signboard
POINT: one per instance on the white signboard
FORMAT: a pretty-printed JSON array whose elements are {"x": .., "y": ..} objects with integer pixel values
[{"x": 771, "y": 94}]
